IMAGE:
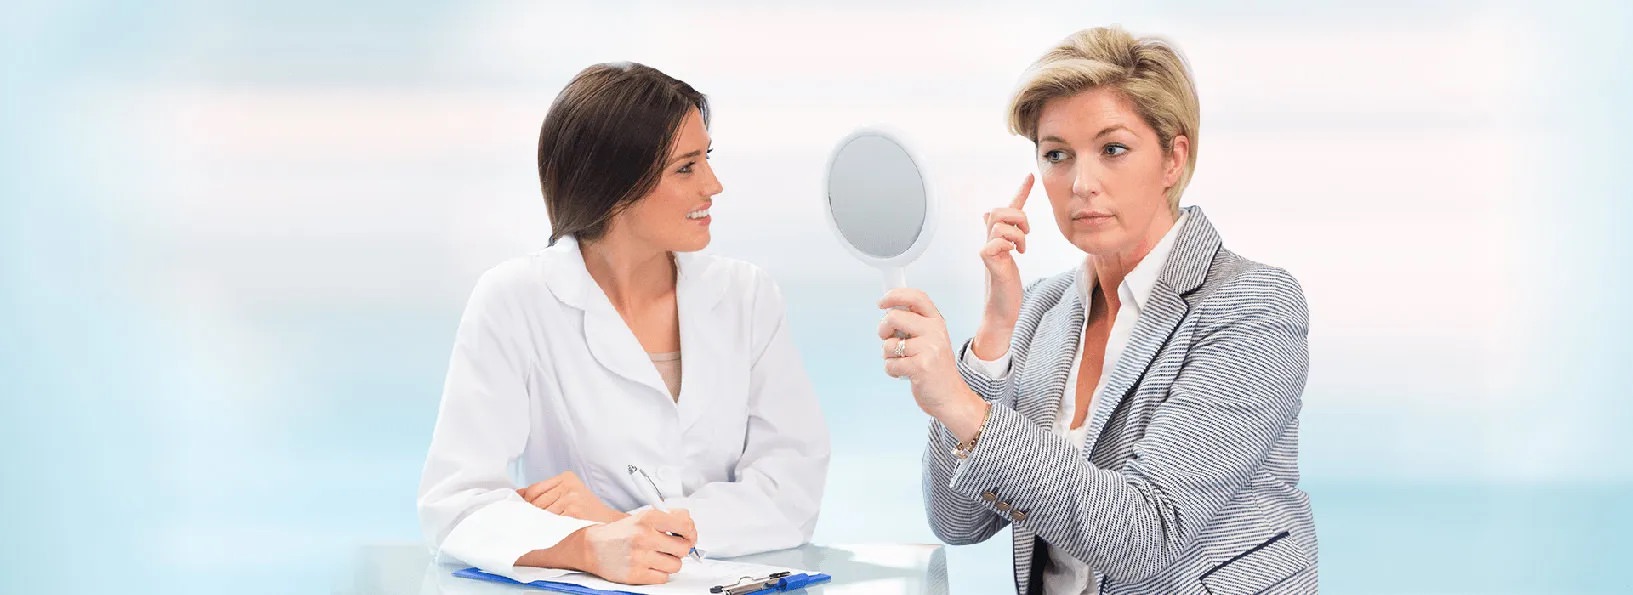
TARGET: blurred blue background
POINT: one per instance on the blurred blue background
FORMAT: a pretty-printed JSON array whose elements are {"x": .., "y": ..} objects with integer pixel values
[{"x": 236, "y": 237}]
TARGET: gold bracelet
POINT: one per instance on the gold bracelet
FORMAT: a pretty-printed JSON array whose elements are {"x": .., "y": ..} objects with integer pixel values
[{"x": 963, "y": 450}]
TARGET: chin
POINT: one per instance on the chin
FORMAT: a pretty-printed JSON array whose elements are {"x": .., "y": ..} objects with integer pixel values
[
  {"x": 1100, "y": 242},
  {"x": 692, "y": 244}
]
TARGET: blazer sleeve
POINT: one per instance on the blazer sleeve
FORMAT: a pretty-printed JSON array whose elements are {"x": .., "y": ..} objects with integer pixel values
[{"x": 955, "y": 518}]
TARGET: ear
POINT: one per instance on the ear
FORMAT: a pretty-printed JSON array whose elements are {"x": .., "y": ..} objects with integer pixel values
[{"x": 1174, "y": 165}]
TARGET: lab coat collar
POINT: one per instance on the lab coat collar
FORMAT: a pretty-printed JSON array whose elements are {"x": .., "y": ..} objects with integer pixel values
[
  {"x": 697, "y": 292},
  {"x": 571, "y": 283}
]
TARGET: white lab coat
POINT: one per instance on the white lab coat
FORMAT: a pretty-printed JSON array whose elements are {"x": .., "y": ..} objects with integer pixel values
[{"x": 546, "y": 377}]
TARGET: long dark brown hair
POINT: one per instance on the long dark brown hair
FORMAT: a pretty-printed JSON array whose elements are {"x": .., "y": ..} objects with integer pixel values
[{"x": 604, "y": 142}]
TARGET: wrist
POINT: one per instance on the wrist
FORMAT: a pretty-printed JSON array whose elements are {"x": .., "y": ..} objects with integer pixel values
[
  {"x": 963, "y": 420},
  {"x": 571, "y": 553},
  {"x": 576, "y": 551}
]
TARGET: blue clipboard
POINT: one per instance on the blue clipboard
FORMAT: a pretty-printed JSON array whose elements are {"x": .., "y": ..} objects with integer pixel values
[{"x": 787, "y": 583}]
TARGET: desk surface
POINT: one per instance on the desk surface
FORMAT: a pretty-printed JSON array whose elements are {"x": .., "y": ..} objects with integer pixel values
[{"x": 882, "y": 569}]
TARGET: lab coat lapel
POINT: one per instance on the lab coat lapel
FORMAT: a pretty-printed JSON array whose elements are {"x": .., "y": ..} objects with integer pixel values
[
  {"x": 698, "y": 290},
  {"x": 610, "y": 341}
]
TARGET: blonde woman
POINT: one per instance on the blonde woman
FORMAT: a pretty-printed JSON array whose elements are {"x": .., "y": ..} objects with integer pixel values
[{"x": 1135, "y": 419}]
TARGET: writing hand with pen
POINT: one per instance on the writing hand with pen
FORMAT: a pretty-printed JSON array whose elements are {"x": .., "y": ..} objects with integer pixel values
[{"x": 639, "y": 549}]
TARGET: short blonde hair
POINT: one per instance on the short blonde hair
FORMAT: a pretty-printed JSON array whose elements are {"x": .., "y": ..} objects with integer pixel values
[{"x": 1148, "y": 71}]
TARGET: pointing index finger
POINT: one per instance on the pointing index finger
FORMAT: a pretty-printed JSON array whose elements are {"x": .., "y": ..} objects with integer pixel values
[{"x": 1020, "y": 197}]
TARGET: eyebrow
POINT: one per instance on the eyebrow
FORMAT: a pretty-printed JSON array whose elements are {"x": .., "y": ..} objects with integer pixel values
[
  {"x": 1114, "y": 127},
  {"x": 690, "y": 155},
  {"x": 1111, "y": 128}
]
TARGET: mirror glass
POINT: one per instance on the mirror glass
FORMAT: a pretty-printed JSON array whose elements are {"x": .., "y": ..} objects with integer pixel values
[{"x": 877, "y": 197}]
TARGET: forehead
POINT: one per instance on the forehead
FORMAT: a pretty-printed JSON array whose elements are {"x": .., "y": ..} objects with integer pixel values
[
  {"x": 692, "y": 132},
  {"x": 1084, "y": 115}
]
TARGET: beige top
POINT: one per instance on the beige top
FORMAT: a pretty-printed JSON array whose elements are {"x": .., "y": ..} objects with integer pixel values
[{"x": 668, "y": 365}]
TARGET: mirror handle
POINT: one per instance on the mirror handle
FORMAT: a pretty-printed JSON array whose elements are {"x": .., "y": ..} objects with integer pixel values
[{"x": 894, "y": 277}]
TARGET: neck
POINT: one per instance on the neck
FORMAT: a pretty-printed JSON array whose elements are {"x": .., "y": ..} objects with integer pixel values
[
  {"x": 629, "y": 271},
  {"x": 1111, "y": 269}
]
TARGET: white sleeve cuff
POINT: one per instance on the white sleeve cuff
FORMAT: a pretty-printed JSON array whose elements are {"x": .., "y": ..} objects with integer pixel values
[
  {"x": 496, "y": 535},
  {"x": 996, "y": 369}
]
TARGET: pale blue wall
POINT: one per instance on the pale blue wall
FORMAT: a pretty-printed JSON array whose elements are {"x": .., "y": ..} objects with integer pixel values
[{"x": 235, "y": 238}]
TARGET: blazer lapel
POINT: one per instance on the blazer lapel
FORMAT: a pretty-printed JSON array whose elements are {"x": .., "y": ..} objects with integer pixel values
[
  {"x": 1058, "y": 334},
  {"x": 1184, "y": 271}
]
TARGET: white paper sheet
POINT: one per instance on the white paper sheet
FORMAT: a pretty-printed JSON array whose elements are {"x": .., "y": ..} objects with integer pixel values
[{"x": 696, "y": 577}]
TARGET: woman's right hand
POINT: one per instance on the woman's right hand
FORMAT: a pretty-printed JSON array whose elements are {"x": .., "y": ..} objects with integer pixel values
[
  {"x": 636, "y": 550},
  {"x": 1006, "y": 234},
  {"x": 639, "y": 550}
]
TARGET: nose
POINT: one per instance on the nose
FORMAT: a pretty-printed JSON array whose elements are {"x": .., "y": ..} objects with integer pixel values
[
  {"x": 711, "y": 182},
  {"x": 1085, "y": 179}
]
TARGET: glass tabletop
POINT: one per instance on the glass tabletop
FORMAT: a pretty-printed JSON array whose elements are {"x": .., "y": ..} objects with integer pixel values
[{"x": 873, "y": 569}]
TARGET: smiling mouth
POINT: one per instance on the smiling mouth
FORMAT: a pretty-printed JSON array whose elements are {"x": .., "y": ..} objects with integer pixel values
[{"x": 698, "y": 214}]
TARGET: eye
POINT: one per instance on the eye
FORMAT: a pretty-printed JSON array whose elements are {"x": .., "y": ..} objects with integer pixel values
[
  {"x": 1054, "y": 156},
  {"x": 686, "y": 169},
  {"x": 1114, "y": 149}
]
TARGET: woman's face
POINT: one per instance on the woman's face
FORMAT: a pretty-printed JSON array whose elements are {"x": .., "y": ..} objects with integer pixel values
[
  {"x": 675, "y": 215},
  {"x": 1106, "y": 173}
]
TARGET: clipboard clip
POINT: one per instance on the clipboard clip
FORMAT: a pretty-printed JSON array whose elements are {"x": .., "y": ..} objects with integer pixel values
[{"x": 749, "y": 584}]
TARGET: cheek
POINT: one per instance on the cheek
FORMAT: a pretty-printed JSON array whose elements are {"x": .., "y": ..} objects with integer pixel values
[
  {"x": 1056, "y": 179},
  {"x": 643, "y": 214},
  {"x": 1058, "y": 188},
  {"x": 647, "y": 218},
  {"x": 1143, "y": 201},
  {"x": 662, "y": 205},
  {"x": 1133, "y": 186}
]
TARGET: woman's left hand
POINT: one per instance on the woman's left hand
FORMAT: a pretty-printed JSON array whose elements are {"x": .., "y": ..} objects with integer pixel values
[
  {"x": 566, "y": 495},
  {"x": 926, "y": 359}
]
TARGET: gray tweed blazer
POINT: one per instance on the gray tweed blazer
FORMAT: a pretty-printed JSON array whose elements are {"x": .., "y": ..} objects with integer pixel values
[{"x": 1188, "y": 480}]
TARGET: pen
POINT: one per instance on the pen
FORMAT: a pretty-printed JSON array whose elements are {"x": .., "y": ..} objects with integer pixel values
[{"x": 649, "y": 491}]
